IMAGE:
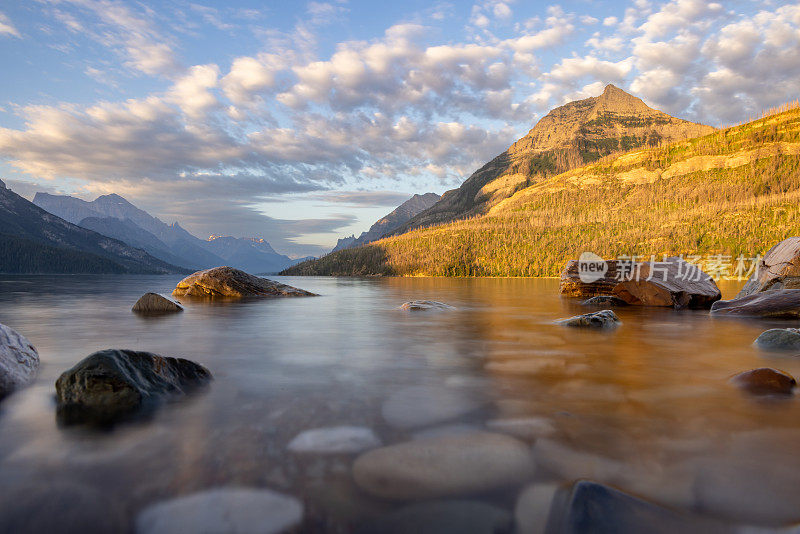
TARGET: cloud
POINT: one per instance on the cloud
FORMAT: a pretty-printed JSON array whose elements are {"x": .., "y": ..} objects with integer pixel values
[
  {"x": 362, "y": 199},
  {"x": 7, "y": 28}
]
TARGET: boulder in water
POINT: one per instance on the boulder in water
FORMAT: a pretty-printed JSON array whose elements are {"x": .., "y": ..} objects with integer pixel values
[
  {"x": 672, "y": 283},
  {"x": 19, "y": 361},
  {"x": 600, "y": 319},
  {"x": 422, "y": 305},
  {"x": 230, "y": 282},
  {"x": 155, "y": 304},
  {"x": 229, "y": 510},
  {"x": 765, "y": 381},
  {"x": 779, "y": 269},
  {"x": 779, "y": 339},
  {"x": 778, "y": 304},
  {"x": 573, "y": 284},
  {"x": 444, "y": 467},
  {"x": 113, "y": 384}
]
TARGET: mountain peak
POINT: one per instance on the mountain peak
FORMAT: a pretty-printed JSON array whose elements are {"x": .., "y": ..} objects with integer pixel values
[
  {"x": 113, "y": 197},
  {"x": 2, "y": 184},
  {"x": 616, "y": 100}
]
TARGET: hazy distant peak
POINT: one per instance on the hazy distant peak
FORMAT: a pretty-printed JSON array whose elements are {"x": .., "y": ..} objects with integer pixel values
[{"x": 2, "y": 184}]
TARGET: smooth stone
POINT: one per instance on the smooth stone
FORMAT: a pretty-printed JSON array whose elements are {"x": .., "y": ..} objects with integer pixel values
[
  {"x": 779, "y": 339},
  {"x": 419, "y": 406},
  {"x": 600, "y": 319},
  {"x": 335, "y": 440},
  {"x": 56, "y": 506},
  {"x": 571, "y": 285},
  {"x": 230, "y": 282},
  {"x": 524, "y": 428},
  {"x": 765, "y": 381},
  {"x": 19, "y": 361},
  {"x": 113, "y": 384},
  {"x": 155, "y": 304},
  {"x": 778, "y": 269},
  {"x": 671, "y": 282},
  {"x": 442, "y": 517},
  {"x": 604, "y": 300},
  {"x": 421, "y": 305},
  {"x": 600, "y": 509},
  {"x": 444, "y": 467},
  {"x": 778, "y": 304},
  {"x": 223, "y": 511},
  {"x": 533, "y": 508}
]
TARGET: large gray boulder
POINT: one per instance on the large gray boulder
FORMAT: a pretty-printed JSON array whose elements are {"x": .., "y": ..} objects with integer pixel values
[
  {"x": 113, "y": 384},
  {"x": 777, "y": 304},
  {"x": 230, "y": 282},
  {"x": 448, "y": 466},
  {"x": 19, "y": 361},
  {"x": 779, "y": 269},
  {"x": 672, "y": 282},
  {"x": 779, "y": 339}
]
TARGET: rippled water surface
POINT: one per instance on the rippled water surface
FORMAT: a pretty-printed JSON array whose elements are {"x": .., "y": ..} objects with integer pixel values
[{"x": 646, "y": 408}]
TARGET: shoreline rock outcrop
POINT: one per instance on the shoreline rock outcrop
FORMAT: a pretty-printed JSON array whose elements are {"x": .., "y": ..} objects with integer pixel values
[
  {"x": 773, "y": 304},
  {"x": 112, "y": 385},
  {"x": 155, "y": 304},
  {"x": 19, "y": 361},
  {"x": 230, "y": 282},
  {"x": 779, "y": 269}
]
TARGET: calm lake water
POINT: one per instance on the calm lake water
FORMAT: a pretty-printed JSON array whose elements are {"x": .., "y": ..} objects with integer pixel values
[{"x": 646, "y": 408}]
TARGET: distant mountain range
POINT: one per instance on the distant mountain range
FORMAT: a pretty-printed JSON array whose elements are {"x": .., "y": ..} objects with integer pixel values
[
  {"x": 113, "y": 216},
  {"x": 390, "y": 222},
  {"x": 33, "y": 240}
]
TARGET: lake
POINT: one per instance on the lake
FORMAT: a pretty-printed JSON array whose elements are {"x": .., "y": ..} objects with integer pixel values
[{"x": 646, "y": 408}]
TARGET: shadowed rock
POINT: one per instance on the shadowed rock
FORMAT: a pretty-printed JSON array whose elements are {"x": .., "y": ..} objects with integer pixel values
[
  {"x": 600, "y": 319},
  {"x": 571, "y": 284},
  {"x": 155, "y": 304},
  {"x": 779, "y": 339},
  {"x": 600, "y": 509},
  {"x": 604, "y": 300},
  {"x": 230, "y": 282},
  {"x": 779, "y": 269},
  {"x": 421, "y": 305},
  {"x": 765, "y": 381},
  {"x": 19, "y": 361},
  {"x": 112, "y": 385},
  {"x": 672, "y": 282},
  {"x": 779, "y": 304}
]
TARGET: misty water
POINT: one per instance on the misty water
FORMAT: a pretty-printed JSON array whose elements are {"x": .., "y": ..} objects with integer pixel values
[{"x": 646, "y": 408}]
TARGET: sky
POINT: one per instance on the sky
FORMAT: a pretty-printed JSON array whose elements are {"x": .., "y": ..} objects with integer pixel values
[{"x": 304, "y": 122}]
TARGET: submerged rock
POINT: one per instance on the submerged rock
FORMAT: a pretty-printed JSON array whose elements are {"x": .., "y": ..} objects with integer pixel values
[
  {"x": 155, "y": 304},
  {"x": 779, "y": 304},
  {"x": 672, "y": 282},
  {"x": 335, "y": 440},
  {"x": 19, "y": 361},
  {"x": 533, "y": 508},
  {"x": 421, "y": 305},
  {"x": 444, "y": 467},
  {"x": 571, "y": 284},
  {"x": 442, "y": 517},
  {"x": 779, "y": 339},
  {"x": 230, "y": 282},
  {"x": 524, "y": 428},
  {"x": 600, "y": 319},
  {"x": 779, "y": 269},
  {"x": 113, "y": 384},
  {"x": 604, "y": 300},
  {"x": 419, "y": 406},
  {"x": 600, "y": 509},
  {"x": 223, "y": 510},
  {"x": 765, "y": 381}
]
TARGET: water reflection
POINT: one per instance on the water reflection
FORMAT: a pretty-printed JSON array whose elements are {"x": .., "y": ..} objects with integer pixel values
[{"x": 645, "y": 407}]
